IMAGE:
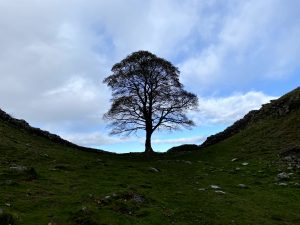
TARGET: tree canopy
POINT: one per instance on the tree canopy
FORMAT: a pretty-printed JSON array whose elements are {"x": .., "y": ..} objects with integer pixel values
[{"x": 147, "y": 95}]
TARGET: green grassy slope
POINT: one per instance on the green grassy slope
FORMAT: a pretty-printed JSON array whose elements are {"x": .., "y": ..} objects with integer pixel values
[{"x": 42, "y": 182}]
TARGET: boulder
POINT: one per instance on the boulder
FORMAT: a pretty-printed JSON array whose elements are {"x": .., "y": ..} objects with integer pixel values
[
  {"x": 244, "y": 186},
  {"x": 215, "y": 187},
  {"x": 154, "y": 170},
  {"x": 283, "y": 176}
]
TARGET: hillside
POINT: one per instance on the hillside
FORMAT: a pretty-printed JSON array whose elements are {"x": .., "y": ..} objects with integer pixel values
[
  {"x": 276, "y": 109},
  {"x": 24, "y": 126},
  {"x": 249, "y": 176}
]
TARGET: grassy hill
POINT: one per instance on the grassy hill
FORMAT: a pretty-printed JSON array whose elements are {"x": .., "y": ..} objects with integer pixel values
[{"x": 248, "y": 176}]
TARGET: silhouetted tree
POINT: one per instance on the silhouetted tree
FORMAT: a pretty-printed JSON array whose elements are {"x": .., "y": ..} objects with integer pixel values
[{"x": 147, "y": 95}]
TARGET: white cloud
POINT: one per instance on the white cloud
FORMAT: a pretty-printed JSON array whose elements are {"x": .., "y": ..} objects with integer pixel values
[
  {"x": 187, "y": 140},
  {"x": 94, "y": 139},
  {"x": 226, "y": 110},
  {"x": 55, "y": 54},
  {"x": 253, "y": 40}
]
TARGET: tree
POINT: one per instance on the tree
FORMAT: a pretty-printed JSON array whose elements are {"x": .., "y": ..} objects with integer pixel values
[{"x": 147, "y": 95}]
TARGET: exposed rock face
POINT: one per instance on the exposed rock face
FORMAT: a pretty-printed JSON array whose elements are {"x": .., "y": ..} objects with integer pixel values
[
  {"x": 276, "y": 108},
  {"x": 291, "y": 156},
  {"x": 22, "y": 124}
]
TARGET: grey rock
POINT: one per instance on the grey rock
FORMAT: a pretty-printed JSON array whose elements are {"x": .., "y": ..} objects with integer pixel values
[
  {"x": 201, "y": 189},
  {"x": 245, "y": 163},
  {"x": 244, "y": 186},
  {"x": 288, "y": 158},
  {"x": 282, "y": 184},
  {"x": 296, "y": 184},
  {"x": 187, "y": 162},
  {"x": 283, "y": 176},
  {"x": 215, "y": 187},
  {"x": 234, "y": 159},
  {"x": 137, "y": 198},
  {"x": 18, "y": 168},
  {"x": 153, "y": 169},
  {"x": 220, "y": 192}
]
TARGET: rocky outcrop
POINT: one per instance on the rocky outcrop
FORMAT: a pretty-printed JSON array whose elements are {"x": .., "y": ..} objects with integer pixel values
[
  {"x": 22, "y": 124},
  {"x": 183, "y": 148},
  {"x": 291, "y": 156},
  {"x": 276, "y": 108}
]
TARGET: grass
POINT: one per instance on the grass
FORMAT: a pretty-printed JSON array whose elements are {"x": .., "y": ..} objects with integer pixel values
[{"x": 60, "y": 185}]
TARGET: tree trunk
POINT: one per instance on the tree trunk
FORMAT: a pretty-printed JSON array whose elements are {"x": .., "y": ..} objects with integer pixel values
[{"x": 148, "y": 147}]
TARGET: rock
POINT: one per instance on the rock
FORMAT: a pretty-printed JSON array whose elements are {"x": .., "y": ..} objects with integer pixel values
[
  {"x": 187, "y": 162},
  {"x": 137, "y": 198},
  {"x": 201, "y": 189},
  {"x": 288, "y": 158},
  {"x": 44, "y": 155},
  {"x": 153, "y": 169},
  {"x": 282, "y": 184},
  {"x": 8, "y": 204},
  {"x": 215, "y": 187},
  {"x": 296, "y": 184},
  {"x": 18, "y": 168},
  {"x": 244, "y": 186},
  {"x": 245, "y": 163},
  {"x": 184, "y": 148},
  {"x": 220, "y": 192},
  {"x": 234, "y": 159},
  {"x": 283, "y": 176}
]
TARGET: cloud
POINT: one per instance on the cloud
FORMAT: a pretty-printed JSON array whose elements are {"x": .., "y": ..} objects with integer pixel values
[
  {"x": 254, "y": 40},
  {"x": 187, "y": 140},
  {"x": 52, "y": 67},
  {"x": 94, "y": 139},
  {"x": 55, "y": 54},
  {"x": 226, "y": 110}
]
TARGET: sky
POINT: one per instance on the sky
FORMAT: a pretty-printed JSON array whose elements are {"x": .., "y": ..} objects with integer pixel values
[{"x": 235, "y": 55}]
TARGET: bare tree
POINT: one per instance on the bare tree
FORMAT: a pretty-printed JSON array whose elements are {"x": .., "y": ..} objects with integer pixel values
[{"x": 147, "y": 95}]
